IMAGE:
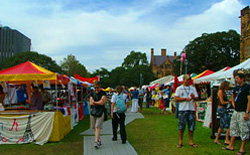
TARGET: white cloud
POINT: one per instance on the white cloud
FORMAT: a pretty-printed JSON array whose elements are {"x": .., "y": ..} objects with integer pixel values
[{"x": 103, "y": 39}]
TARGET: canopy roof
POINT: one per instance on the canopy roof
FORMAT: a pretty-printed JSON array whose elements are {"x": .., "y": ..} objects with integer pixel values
[
  {"x": 210, "y": 77},
  {"x": 26, "y": 71},
  {"x": 205, "y": 73},
  {"x": 108, "y": 89},
  {"x": 228, "y": 74},
  {"x": 162, "y": 80}
]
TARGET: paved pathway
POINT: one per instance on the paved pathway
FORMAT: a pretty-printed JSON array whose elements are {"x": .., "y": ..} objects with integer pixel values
[{"x": 109, "y": 147}]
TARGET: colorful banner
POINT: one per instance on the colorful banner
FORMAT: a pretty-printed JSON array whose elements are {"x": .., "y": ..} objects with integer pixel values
[
  {"x": 90, "y": 80},
  {"x": 34, "y": 128},
  {"x": 201, "y": 111}
]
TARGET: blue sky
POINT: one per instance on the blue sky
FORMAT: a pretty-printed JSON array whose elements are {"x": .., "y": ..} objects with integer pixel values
[{"x": 101, "y": 33}]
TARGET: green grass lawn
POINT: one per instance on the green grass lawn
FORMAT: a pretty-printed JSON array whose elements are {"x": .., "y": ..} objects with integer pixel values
[
  {"x": 155, "y": 134},
  {"x": 158, "y": 134}
]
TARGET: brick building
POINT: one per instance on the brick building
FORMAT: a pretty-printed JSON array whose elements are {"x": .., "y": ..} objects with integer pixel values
[
  {"x": 162, "y": 65},
  {"x": 245, "y": 34}
]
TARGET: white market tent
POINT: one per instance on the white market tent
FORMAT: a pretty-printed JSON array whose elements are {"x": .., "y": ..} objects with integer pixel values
[
  {"x": 162, "y": 80},
  {"x": 228, "y": 74}
]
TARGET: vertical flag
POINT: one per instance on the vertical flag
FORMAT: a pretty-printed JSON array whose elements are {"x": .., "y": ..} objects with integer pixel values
[{"x": 176, "y": 82}]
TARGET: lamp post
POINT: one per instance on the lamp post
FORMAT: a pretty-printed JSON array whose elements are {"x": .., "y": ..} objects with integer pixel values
[
  {"x": 141, "y": 79},
  {"x": 186, "y": 63}
]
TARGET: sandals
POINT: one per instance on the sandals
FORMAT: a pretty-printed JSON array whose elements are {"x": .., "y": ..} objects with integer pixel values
[
  {"x": 240, "y": 153},
  {"x": 193, "y": 145},
  {"x": 217, "y": 143},
  {"x": 225, "y": 148},
  {"x": 179, "y": 146}
]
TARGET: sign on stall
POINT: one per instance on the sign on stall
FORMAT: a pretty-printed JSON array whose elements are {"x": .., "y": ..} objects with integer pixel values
[{"x": 34, "y": 128}]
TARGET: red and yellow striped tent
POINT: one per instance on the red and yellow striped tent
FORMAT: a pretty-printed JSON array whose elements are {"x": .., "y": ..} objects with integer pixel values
[
  {"x": 26, "y": 71},
  {"x": 205, "y": 73}
]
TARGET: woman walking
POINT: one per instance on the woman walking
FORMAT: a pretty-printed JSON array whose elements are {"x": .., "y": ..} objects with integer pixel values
[
  {"x": 222, "y": 112},
  {"x": 118, "y": 109},
  {"x": 97, "y": 101}
]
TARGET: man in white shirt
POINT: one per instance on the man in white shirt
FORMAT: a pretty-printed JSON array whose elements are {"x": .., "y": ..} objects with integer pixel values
[{"x": 185, "y": 95}]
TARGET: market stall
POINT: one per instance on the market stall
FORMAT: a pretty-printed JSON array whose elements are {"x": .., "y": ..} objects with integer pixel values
[{"x": 58, "y": 125}]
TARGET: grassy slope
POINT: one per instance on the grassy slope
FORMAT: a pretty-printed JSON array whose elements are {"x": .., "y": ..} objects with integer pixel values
[{"x": 158, "y": 134}]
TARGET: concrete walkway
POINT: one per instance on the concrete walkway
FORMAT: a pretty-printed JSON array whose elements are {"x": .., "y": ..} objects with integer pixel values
[{"x": 109, "y": 147}]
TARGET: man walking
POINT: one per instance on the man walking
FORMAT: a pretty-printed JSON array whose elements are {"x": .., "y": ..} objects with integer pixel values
[
  {"x": 240, "y": 117},
  {"x": 185, "y": 95}
]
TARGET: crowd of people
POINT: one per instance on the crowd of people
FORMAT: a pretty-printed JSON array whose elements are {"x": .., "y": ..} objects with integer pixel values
[
  {"x": 236, "y": 126},
  {"x": 114, "y": 102},
  {"x": 185, "y": 95}
]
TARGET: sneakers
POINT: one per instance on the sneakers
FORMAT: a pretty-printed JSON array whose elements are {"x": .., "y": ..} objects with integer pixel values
[
  {"x": 99, "y": 143},
  {"x": 114, "y": 139},
  {"x": 96, "y": 145},
  {"x": 124, "y": 142}
]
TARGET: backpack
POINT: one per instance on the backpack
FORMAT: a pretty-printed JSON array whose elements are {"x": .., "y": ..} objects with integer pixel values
[{"x": 120, "y": 104}]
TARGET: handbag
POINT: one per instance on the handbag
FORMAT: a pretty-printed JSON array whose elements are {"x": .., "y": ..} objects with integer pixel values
[{"x": 97, "y": 110}]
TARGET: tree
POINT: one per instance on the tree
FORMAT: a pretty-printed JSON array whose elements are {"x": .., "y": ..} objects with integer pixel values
[
  {"x": 134, "y": 68},
  {"x": 135, "y": 59},
  {"x": 71, "y": 65},
  {"x": 116, "y": 77},
  {"x": 39, "y": 59},
  {"x": 103, "y": 74},
  {"x": 213, "y": 51}
]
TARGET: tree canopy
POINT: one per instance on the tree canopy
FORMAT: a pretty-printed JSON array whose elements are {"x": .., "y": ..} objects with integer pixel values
[
  {"x": 39, "y": 59},
  {"x": 135, "y": 59},
  {"x": 134, "y": 71},
  {"x": 213, "y": 51},
  {"x": 70, "y": 65}
]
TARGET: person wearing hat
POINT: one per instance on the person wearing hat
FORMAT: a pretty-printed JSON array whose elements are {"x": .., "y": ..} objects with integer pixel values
[
  {"x": 240, "y": 117},
  {"x": 185, "y": 95}
]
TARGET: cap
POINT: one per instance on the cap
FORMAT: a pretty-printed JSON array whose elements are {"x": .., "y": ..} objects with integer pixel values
[{"x": 186, "y": 77}]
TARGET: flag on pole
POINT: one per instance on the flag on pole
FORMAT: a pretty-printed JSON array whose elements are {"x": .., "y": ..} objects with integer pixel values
[{"x": 90, "y": 80}]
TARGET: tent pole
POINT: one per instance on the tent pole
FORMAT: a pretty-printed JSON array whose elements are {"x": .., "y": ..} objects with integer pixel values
[
  {"x": 81, "y": 93},
  {"x": 56, "y": 96}
]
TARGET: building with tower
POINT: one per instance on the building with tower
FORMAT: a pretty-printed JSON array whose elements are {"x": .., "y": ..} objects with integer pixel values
[{"x": 162, "y": 65}]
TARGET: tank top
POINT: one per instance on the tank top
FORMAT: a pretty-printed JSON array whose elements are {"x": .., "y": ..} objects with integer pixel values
[{"x": 225, "y": 99}]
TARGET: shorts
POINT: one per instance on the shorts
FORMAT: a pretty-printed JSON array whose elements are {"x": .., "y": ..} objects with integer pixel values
[
  {"x": 166, "y": 103},
  {"x": 186, "y": 117},
  {"x": 224, "y": 117},
  {"x": 140, "y": 100},
  {"x": 238, "y": 126},
  {"x": 96, "y": 122}
]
